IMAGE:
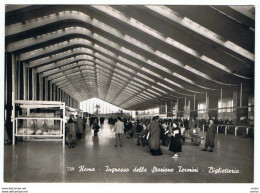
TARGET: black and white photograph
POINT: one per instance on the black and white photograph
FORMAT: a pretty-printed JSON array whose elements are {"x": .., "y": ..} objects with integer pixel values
[{"x": 134, "y": 94}]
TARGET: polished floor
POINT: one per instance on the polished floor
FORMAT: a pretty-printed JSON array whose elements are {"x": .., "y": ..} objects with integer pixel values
[{"x": 49, "y": 162}]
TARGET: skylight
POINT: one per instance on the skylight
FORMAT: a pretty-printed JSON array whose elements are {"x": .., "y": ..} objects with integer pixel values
[
  {"x": 134, "y": 87},
  {"x": 106, "y": 51},
  {"x": 214, "y": 63},
  {"x": 173, "y": 83},
  {"x": 154, "y": 92},
  {"x": 145, "y": 28},
  {"x": 131, "y": 53},
  {"x": 136, "y": 84},
  {"x": 199, "y": 73},
  {"x": 145, "y": 92},
  {"x": 107, "y": 28},
  {"x": 168, "y": 58},
  {"x": 108, "y": 60},
  {"x": 143, "y": 82},
  {"x": 156, "y": 65},
  {"x": 137, "y": 43},
  {"x": 145, "y": 77},
  {"x": 129, "y": 62},
  {"x": 159, "y": 89},
  {"x": 165, "y": 86},
  {"x": 125, "y": 68},
  {"x": 106, "y": 41},
  {"x": 183, "y": 78},
  {"x": 182, "y": 47},
  {"x": 151, "y": 72},
  {"x": 104, "y": 64}
]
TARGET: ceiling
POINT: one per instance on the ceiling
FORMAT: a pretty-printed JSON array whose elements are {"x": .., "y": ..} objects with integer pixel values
[{"x": 135, "y": 57}]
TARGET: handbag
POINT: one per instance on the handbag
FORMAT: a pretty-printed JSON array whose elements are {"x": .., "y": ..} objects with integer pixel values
[{"x": 148, "y": 135}]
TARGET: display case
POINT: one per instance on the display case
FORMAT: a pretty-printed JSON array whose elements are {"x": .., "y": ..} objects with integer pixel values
[{"x": 36, "y": 120}]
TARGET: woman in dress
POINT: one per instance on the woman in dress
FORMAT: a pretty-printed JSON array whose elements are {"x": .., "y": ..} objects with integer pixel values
[
  {"x": 175, "y": 141},
  {"x": 71, "y": 132}
]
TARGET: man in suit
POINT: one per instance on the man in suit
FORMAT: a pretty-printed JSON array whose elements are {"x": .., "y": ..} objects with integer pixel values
[
  {"x": 210, "y": 136},
  {"x": 154, "y": 141}
]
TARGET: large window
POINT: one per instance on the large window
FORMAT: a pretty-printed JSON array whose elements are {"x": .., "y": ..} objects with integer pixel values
[
  {"x": 226, "y": 106},
  {"x": 201, "y": 108},
  {"x": 251, "y": 104},
  {"x": 93, "y": 105}
]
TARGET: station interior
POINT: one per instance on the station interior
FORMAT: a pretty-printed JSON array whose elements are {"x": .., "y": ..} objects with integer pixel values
[{"x": 178, "y": 62}]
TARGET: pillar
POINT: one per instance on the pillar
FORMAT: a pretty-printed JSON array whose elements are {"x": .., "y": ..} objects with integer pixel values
[
  {"x": 213, "y": 104},
  {"x": 180, "y": 107},
  {"x": 9, "y": 93}
]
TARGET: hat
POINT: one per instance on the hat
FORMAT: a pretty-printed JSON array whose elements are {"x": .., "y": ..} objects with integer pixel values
[
  {"x": 155, "y": 117},
  {"x": 176, "y": 123}
]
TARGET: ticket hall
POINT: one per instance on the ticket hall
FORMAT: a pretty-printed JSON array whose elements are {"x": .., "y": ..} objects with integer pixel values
[{"x": 129, "y": 93}]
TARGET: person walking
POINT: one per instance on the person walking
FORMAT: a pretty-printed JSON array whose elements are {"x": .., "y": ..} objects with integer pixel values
[
  {"x": 71, "y": 132},
  {"x": 119, "y": 131},
  {"x": 210, "y": 136},
  {"x": 95, "y": 126},
  {"x": 79, "y": 123},
  {"x": 154, "y": 140},
  {"x": 175, "y": 141}
]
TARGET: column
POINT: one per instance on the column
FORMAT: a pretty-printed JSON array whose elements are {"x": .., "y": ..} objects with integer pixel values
[
  {"x": 213, "y": 104},
  {"x": 181, "y": 103},
  {"x": 25, "y": 81},
  {"x": 14, "y": 94}
]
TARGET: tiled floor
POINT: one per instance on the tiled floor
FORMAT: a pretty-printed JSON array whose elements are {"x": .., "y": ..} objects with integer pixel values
[{"x": 50, "y": 162}]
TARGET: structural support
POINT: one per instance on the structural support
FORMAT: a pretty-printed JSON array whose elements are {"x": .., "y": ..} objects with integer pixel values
[
  {"x": 177, "y": 109},
  {"x": 63, "y": 123},
  {"x": 25, "y": 80},
  {"x": 241, "y": 93},
  {"x": 18, "y": 74},
  {"x": 206, "y": 100},
  {"x": 41, "y": 87},
  {"x": 33, "y": 85},
  {"x": 13, "y": 94},
  {"x": 221, "y": 97},
  {"x": 194, "y": 106}
]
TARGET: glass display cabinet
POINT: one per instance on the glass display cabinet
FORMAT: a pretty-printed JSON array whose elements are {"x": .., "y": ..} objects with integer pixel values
[{"x": 37, "y": 120}]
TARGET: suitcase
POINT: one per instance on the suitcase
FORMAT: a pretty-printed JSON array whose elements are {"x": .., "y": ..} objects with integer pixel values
[{"x": 196, "y": 140}]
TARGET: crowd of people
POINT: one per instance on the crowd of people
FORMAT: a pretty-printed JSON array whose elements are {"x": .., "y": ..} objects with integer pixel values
[
  {"x": 152, "y": 132},
  {"x": 167, "y": 132},
  {"x": 76, "y": 126},
  {"x": 74, "y": 129}
]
